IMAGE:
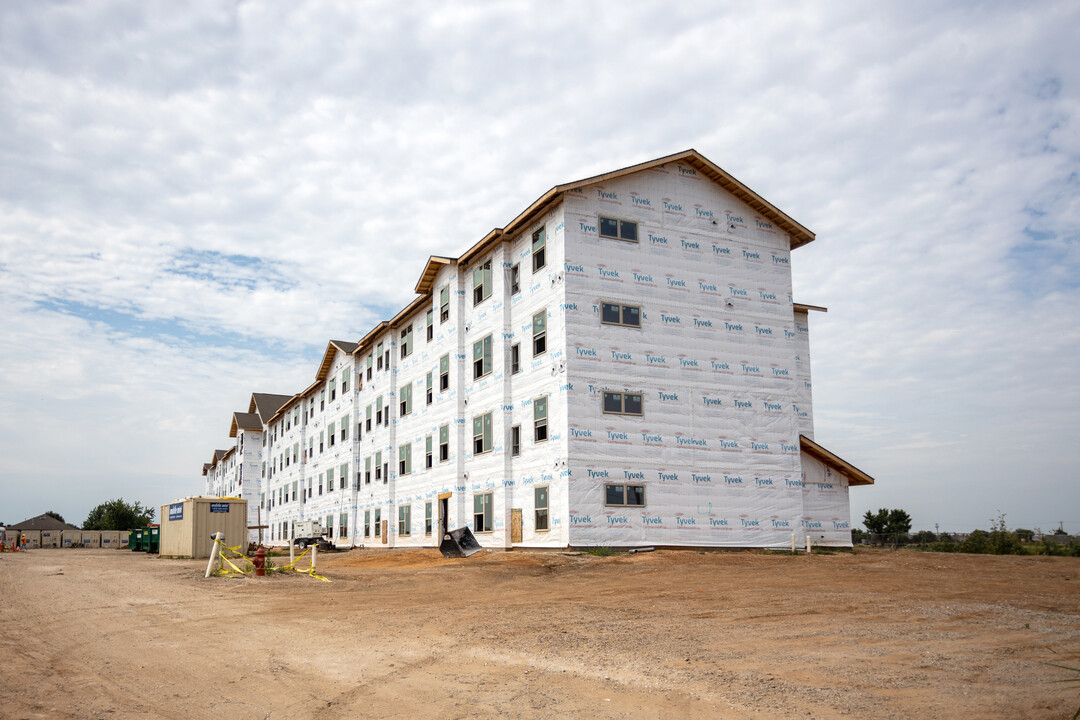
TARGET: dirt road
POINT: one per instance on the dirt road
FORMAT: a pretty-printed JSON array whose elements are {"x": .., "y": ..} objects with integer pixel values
[{"x": 877, "y": 634}]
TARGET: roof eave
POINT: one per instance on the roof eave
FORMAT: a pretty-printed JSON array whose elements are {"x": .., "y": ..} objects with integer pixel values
[{"x": 855, "y": 475}]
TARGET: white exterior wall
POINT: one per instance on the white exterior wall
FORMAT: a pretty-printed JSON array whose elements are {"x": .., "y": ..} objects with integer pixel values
[
  {"x": 721, "y": 359},
  {"x": 826, "y": 506},
  {"x": 287, "y": 456},
  {"x": 331, "y": 472},
  {"x": 717, "y": 447},
  {"x": 804, "y": 398}
]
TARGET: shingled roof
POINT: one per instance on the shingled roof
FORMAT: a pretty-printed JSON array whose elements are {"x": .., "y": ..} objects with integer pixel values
[
  {"x": 42, "y": 522},
  {"x": 245, "y": 421}
]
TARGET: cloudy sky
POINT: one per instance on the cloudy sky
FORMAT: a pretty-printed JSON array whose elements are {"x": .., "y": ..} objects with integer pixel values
[{"x": 195, "y": 197}]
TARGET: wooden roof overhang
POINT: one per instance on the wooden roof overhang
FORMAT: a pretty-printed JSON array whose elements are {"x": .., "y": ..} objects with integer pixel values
[{"x": 855, "y": 475}]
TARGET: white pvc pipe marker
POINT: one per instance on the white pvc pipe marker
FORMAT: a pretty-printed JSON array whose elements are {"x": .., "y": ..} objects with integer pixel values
[
  {"x": 215, "y": 553},
  {"x": 314, "y": 554},
  {"x": 807, "y": 543}
]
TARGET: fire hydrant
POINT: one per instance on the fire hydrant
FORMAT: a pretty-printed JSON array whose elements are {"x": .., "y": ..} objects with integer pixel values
[{"x": 259, "y": 561}]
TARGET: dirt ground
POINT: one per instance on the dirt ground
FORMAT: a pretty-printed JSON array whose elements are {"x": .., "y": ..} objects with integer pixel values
[{"x": 669, "y": 634}]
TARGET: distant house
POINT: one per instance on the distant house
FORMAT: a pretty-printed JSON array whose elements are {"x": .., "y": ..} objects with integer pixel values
[{"x": 42, "y": 522}]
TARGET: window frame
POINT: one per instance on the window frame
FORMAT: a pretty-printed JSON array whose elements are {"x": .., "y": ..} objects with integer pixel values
[
  {"x": 487, "y": 362},
  {"x": 405, "y": 400},
  {"x": 515, "y": 358},
  {"x": 484, "y": 440},
  {"x": 482, "y": 289},
  {"x": 486, "y": 515},
  {"x": 626, "y": 495},
  {"x": 546, "y": 509},
  {"x": 405, "y": 459},
  {"x": 539, "y": 253},
  {"x": 541, "y": 336},
  {"x": 515, "y": 441},
  {"x": 622, "y": 402},
  {"x": 444, "y": 304},
  {"x": 604, "y": 304},
  {"x": 444, "y": 374},
  {"x": 540, "y": 424},
  {"x": 406, "y": 342},
  {"x": 404, "y": 520},
  {"x": 514, "y": 279},
  {"x": 444, "y": 444},
  {"x": 619, "y": 223}
]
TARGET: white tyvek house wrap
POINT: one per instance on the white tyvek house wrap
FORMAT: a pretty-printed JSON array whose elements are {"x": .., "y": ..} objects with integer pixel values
[
  {"x": 804, "y": 403},
  {"x": 717, "y": 448},
  {"x": 826, "y": 508},
  {"x": 509, "y": 397}
]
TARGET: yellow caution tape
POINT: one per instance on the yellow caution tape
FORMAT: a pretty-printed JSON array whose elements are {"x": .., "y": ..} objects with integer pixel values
[{"x": 237, "y": 571}]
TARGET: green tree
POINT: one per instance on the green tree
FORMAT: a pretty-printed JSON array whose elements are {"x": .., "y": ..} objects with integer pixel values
[
  {"x": 924, "y": 537},
  {"x": 118, "y": 515},
  {"x": 977, "y": 542},
  {"x": 55, "y": 515},
  {"x": 886, "y": 521},
  {"x": 1002, "y": 542}
]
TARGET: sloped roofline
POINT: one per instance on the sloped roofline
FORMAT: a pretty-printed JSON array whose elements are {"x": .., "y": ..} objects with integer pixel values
[
  {"x": 855, "y": 475},
  {"x": 799, "y": 234},
  {"x": 239, "y": 417}
]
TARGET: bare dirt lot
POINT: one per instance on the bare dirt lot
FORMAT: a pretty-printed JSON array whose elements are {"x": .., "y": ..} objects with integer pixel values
[{"x": 875, "y": 634}]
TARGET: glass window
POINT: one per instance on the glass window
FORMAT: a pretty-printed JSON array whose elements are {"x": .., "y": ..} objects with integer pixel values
[
  {"x": 515, "y": 279},
  {"x": 618, "y": 229},
  {"x": 540, "y": 419},
  {"x": 539, "y": 247},
  {"x": 405, "y": 520},
  {"x": 444, "y": 304},
  {"x": 482, "y": 434},
  {"x": 515, "y": 441},
  {"x": 515, "y": 359},
  {"x": 482, "y": 357},
  {"x": 623, "y": 403},
  {"x": 405, "y": 459},
  {"x": 619, "y": 495},
  {"x": 539, "y": 325},
  {"x": 482, "y": 283},
  {"x": 406, "y": 399},
  {"x": 406, "y": 342},
  {"x": 444, "y": 443},
  {"x": 482, "y": 513},
  {"x": 444, "y": 373},
  {"x": 430, "y": 325},
  {"x": 615, "y": 314},
  {"x": 541, "y": 505},
  {"x": 427, "y": 517}
]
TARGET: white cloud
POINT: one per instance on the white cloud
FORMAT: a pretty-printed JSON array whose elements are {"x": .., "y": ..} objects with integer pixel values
[{"x": 933, "y": 149}]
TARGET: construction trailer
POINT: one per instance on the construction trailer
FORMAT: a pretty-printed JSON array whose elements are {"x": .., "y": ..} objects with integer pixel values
[
  {"x": 187, "y": 525},
  {"x": 623, "y": 364}
]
